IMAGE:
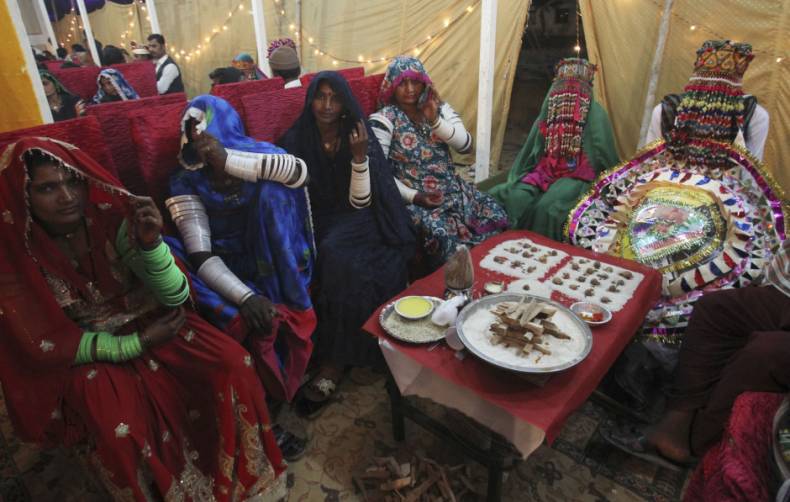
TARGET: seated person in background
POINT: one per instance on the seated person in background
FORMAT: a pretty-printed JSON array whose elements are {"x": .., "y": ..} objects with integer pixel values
[
  {"x": 113, "y": 87},
  {"x": 363, "y": 231},
  {"x": 62, "y": 53},
  {"x": 713, "y": 104},
  {"x": 98, "y": 344},
  {"x": 738, "y": 340},
  {"x": 246, "y": 234},
  {"x": 227, "y": 75},
  {"x": 112, "y": 55},
  {"x": 247, "y": 66},
  {"x": 141, "y": 54},
  {"x": 570, "y": 143},
  {"x": 416, "y": 131},
  {"x": 63, "y": 104},
  {"x": 284, "y": 62}
]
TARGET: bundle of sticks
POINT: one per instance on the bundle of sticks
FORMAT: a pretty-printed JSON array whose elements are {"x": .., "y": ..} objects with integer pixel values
[
  {"x": 419, "y": 480},
  {"x": 525, "y": 325}
]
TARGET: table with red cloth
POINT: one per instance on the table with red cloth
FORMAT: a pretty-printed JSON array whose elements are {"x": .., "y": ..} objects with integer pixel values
[{"x": 539, "y": 411}]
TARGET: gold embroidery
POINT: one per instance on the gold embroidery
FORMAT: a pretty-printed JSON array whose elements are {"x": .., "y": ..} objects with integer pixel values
[
  {"x": 5, "y": 158},
  {"x": 153, "y": 365},
  {"x": 8, "y": 217},
  {"x": 146, "y": 450},
  {"x": 192, "y": 484},
  {"x": 248, "y": 360},
  {"x": 166, "y": 436},
  {"x": 121, "y": 430},
  {"x": 189, "y": 336},
  {"x": 46, "y": 346}
]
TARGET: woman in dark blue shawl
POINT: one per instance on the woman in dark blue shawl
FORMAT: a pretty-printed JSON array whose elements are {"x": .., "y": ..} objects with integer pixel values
[{"x": 363, "y": 244}]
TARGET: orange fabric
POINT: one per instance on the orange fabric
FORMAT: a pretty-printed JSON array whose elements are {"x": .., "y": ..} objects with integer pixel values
[{"x": 20, "y": 108}]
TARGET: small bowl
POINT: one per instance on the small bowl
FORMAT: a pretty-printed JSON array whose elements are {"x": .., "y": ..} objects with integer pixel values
[
  {"x": 414, "y": 307},
  {"x": 592, "y": 313}
]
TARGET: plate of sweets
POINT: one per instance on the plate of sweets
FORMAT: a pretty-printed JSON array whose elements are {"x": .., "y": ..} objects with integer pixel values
[
  {"x": 524, "y": 333},
  {"x": 408, "y": 320}
]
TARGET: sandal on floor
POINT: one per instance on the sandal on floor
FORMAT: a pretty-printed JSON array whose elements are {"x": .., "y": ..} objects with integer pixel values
[
  {"x": 635, "y": 443},
  {"x": 292, "y": 446},
  {"x": 316, "y": 395}
]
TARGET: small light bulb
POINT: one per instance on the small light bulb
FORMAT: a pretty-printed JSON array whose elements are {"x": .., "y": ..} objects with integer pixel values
[
  {"x": 446, "y": 23},
  {"x": 693, "y": 27},
  {"x": 310, "y": 40},
  {"x": 576, "y": 48},
  {"x": 225, "y": 27},
  {"x": 334, "y": 62},
  {"x": 779, "y": 60}
]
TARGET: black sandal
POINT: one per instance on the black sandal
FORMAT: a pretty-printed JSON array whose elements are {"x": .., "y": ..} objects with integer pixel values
[
  {"x": 315, "y": 396},
  {"x": 292, "y": 446},
  {"x": 635, "y": 443}
]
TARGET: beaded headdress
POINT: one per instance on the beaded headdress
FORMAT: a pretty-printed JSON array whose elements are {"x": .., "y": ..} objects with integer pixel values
[
  {"x": 569, "y": 99},
  {"x": 712, "y": 105}
]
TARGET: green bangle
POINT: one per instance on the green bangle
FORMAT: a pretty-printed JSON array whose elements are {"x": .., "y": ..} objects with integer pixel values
[{"x": 85, "y": 348}]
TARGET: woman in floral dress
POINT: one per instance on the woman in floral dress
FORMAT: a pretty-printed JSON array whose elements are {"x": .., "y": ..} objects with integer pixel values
[{"x": 416, "y": 131}]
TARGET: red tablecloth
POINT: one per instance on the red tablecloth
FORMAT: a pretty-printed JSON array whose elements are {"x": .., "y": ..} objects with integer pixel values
[{"x": 548, "y": 406}]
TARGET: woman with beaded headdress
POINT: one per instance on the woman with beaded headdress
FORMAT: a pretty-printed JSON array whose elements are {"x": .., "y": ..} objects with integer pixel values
[
  {"x": 713, "y": 106},
  {"x": 570, "y": 143},
  {"x": 416, "y": 130},
  {"x": 99, "y": 342}
]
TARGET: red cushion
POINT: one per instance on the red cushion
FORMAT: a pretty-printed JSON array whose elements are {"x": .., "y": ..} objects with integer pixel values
[
  {"x": 271, "y": 114},
  {"x": 233, "y": 93},
  {"x": 156, "y": 133},
  {"x": 83, "y": 132},
  {"x": 79, "y": 81},
  {"x": 115, "y": 126},
  {"x": 366, "y": 90},
  {"x": 141, "y": 76},
  {"x": 349, "y": 73},
  {"x": 53, "y": 65}
]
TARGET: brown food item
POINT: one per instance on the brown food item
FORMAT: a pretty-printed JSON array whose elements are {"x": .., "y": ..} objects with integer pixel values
[
  {"x": 531, "y": 269},
  {"x": 589, "y": 271},
  {"x": 525, "y": 287},
  {"x": 516, "y": 263},
  {"x": 512, "y": 250},
  {"x": 543, "y": 259},
  {"x": 589, "y": 292},
  {"x": 526, "y": 254},
  {"x": 608, "y": 269},
  {"x": 575, "y": 266},
  {"x": 597, "y": 264},
  {"x": 459, "y": 274},
  {"x": 595, "y": 282},
  {"x": 627, "y": 274},
  {"x": 620, "y": 282},
  {"x": 566, "y": 275},
  {"x": 553, "y": 252},
  {"x": 605, "y": 299},
  {"x": 613, "y": 289},
  {"x": 533, "y": 249},
  {"x": 500, "y": 259},
  {"x": 583, "y": 260},
  {"x": 557, "y": 281},
  {"x": 603, "y": 277},
  {"x": 525, "y": 325},
  {"x": 581, "y": 278},
  {"x": 574, "y": 286}
]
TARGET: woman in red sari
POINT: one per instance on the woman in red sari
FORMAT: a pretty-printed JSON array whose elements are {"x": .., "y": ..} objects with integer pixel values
[{"x": 96, "y": 345}]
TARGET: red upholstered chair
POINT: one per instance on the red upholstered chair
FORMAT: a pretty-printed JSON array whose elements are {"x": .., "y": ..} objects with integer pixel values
[
  {"x": 349, "y": 73},
  {"x": 79, "y": 81},
  {"x": 156, "y": 133},
  {"x": 233, "y": 93},
  {"x": 53, "y": 65},
  {"x": 116, "y": 129},
  {"x": 738, "y": 469},
  {"x": 83, "y": 132},
  {"x": 141, "y": 76},
  {"x": 366, "y": 90},
  {"x": 270, "y": 114}
]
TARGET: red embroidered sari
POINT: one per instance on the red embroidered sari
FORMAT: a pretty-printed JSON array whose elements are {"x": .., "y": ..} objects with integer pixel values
[{"x": 186, "y": 420}]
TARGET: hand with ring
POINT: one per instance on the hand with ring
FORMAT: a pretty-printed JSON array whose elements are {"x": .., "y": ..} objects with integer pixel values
[{"x": 358, "y": 139}]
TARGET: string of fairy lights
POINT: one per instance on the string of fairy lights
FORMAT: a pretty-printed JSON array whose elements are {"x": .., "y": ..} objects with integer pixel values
[{"x": 195, "y": 52}]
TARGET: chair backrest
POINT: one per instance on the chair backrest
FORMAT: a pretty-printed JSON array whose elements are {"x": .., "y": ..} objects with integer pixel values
[
  {"x": 156, "y": 133},
  {"x": 141, "y": 76},
  {"x": 366, "y": 90},
  {"x": 270, "y": 114},
  {"x": 233, "y": 93},
  {"x": 83, "y": 132},
  {"x": 116, "y": 129},
  {"x": 79, "y": 81},
  {"x": 349, "y": 73},
  {"x": 53, "y": 64}
]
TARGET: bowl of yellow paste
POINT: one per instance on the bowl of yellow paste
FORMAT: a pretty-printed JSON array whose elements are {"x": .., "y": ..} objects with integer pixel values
[{"x": 414, "y": 307}]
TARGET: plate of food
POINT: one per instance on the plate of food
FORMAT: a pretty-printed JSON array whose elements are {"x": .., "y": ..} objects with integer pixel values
[
  {"x": 592, "y": 313},
  {"x": 408, "y": 328},
  {"x": 524, "y": 333}
]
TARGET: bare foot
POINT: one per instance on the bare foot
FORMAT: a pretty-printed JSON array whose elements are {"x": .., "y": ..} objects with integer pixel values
[{"x": 671, "y": 435}]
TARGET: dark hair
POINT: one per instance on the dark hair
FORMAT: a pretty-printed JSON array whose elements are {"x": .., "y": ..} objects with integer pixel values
[
  {"x": 77, "y": 48},
  {"x": 39, "y": 57},
  {"x": 227, "y": 75},
  {"x": 288, "y": 74},
  {"x": 62, "y": 52},
  {"x": 156, "y": 36},
  {"x": 112, "y": 55},
  {"x": 36, "y": 158}
]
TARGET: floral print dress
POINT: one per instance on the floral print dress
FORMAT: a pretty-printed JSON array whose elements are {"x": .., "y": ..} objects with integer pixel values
[{"x": 422, "y": 161}]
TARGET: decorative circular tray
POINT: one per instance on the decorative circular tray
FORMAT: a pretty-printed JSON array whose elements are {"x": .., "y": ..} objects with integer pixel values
[
  {"x": 477, "y": 339},
  {"x": 411, "y": 331}
]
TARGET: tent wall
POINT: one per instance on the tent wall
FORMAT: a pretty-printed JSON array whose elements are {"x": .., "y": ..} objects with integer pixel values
[{"x": 621, "y": 38}]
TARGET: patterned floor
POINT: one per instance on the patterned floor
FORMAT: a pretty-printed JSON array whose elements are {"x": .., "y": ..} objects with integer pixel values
[{"x": 579, "y": 467}]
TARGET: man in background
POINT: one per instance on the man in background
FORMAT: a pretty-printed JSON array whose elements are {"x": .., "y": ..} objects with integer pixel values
[{"x": 168, "y": 74}]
